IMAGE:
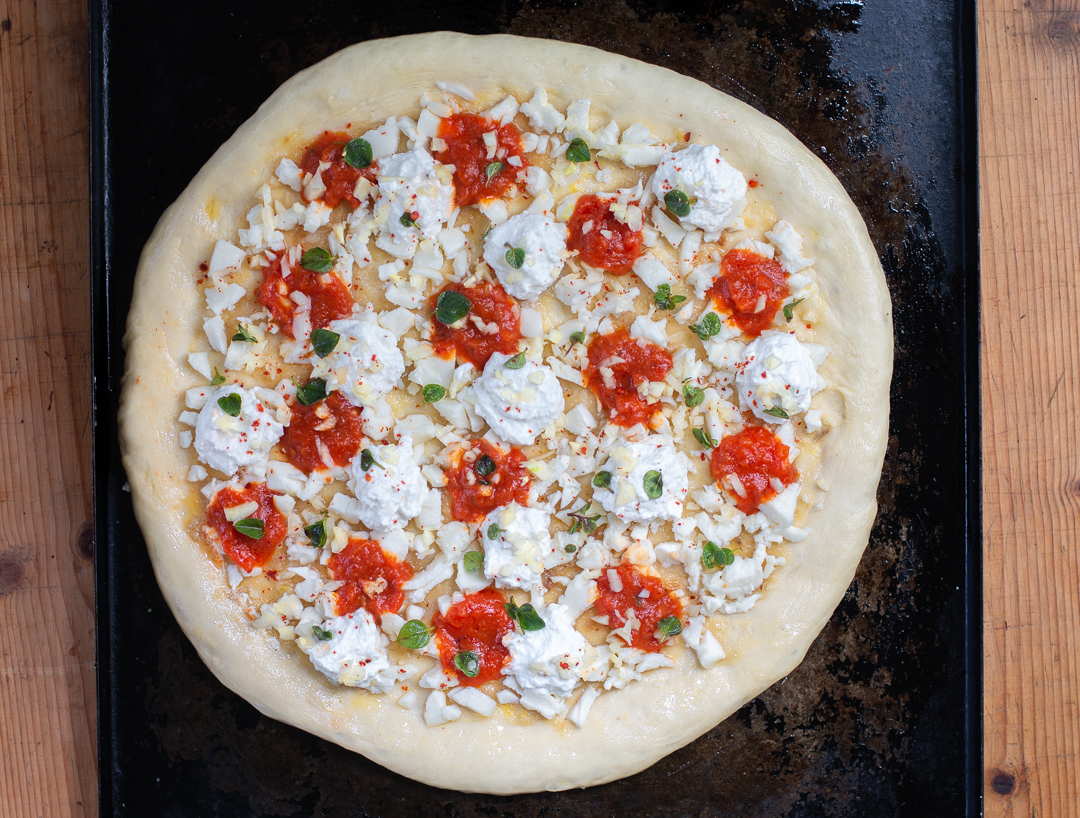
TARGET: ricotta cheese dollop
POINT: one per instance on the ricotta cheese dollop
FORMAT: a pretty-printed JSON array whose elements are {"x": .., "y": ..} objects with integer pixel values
[
  {"x": 366, "y": 364},
  {"x": 519, "y": 403},
  {"x": 717, "y": 191},
  {"x": 541, "y": 239},
  {"x": 514, "y": 557},
  {"x": 545, "y": 665},
  {"x": 392, "y": 491},
  {"x": 633, "y": 467},
  {"x": 415, "y": 199},
  {"x": 354, "y": 655},
  {"x": 776, "y": 371},
  {"x": 225, "y": 442}
]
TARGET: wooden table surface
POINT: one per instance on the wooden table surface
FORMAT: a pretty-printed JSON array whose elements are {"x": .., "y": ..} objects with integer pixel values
[{"x": 1029, "y": 144}]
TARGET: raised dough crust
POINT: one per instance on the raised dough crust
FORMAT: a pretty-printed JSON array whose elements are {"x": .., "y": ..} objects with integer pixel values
[{"x": 627, "y": 730}]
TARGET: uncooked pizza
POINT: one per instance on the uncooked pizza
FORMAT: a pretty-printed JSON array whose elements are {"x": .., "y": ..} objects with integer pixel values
[{"x": 487, "y": 395}]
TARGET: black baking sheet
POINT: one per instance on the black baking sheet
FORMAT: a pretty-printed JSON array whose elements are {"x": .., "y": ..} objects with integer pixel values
[{"x": 882, "y": 718}]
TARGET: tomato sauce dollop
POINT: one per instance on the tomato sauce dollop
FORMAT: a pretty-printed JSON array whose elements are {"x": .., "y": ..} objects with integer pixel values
[
  {"x": 340, "y": 178},
  {"x": 330, "y": 298},
  {"x": 372, "y": 579},
  {"x": 754, "y": 455},
  {"x": 745, "y": 277},
  {"x": 245, "y": 551},
  {"x": 649, "y": 610},
  {"x": 490, "y": 304},
  {"x": 635, "y": 363},
  {"x": 334, "y": 421},
  {"x": 478, "y": 623},
  {"x": 609, "y": 244},
  {"x": 474, "y": 495},
  {"x": 466, "y": 150}
]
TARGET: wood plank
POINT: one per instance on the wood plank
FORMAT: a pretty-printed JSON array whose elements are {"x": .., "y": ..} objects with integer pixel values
[
  {"x": 1029, "y": 122},
  {"x": 47, "y": 700}
]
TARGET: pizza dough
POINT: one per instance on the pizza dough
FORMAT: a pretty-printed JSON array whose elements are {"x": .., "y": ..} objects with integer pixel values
[{"x": 627, "y": 729}]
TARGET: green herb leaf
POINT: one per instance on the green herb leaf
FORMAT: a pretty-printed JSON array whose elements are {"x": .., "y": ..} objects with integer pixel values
[
  {"x": 516, "y": 362},
  {"x": 408, "y": 219},
  {"x": 678, "y": 203},
  {"x": 570, "y": 549},
  {"x": 316, "y": 533},
  {"x": 525, "y": 615},
  {"x": 414, "y": 635},
  {"x": 484, "y": 465},
  {"x": 777, "y": 412},
  {"x": 704, "y": 438},
  {"x": 577, "y": 338},
  {"x": 515, "y": 257},
  {"x": 654, "y": 484},
  {"x": 318, "y": 260},
  {"x": 367, "y": 460},
  {"x": 468, "y": 663},
  {"x": 789, "y": 309},
  {"x": 664, "y": 300},
  {"x": 322, "y": 634},
  {"x": 578, "y": 151},
  {"x": 311, "y": 392},
  {"x": 218, "y": 378},
  {"x": 493, "y": 169},
  {"x": 493, "y": 531},
  {"x": 358, "y": 153},
  {"x": 250, "y": 527},
  {"x": 451, "y": 307},
  {"x": 230, "y": 404},
  {"x": 474, "y": 561},
  {"x": 692, "y": 395},
  {"x": 713, "y": 556},
  {"x": 602, "y": 480},
  {"x": 710, "y": 325},
  {"x": 323, "y": 341},
  {"x": 242, "y": 334},
  {"x": 669, "y": 626},
  {"x": 433, "y": 393}
]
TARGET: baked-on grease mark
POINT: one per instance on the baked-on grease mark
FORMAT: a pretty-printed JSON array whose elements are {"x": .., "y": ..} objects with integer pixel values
[{"x": 5, "y": 25}]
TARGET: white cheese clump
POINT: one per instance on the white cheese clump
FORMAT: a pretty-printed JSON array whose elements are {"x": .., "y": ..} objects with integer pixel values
[
  {"x": 515, "y": 557},
  {"x": 717, "y": 190},
  {"x": 354, "y": 655},
  {"x": 411, "y": 182},
  {"x": 518, "y": 404},
  {"x": 629, "y": 464},
  {"x": 391, "y": 492},
  {"x": 544, "y": 241},
  {"x": 226, "y": 443},
  {"x": 366, "y": 364},
  {"x": 777, "y": 371},
  {"x": 546, "y": 665}
]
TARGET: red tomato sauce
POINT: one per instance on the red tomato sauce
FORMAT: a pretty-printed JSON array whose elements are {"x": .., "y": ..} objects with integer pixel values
[
  {"x": 473, "y": 495},
  {"x": 477, "y": 623},
  {"x": 648, "y": 609},
  {"x": 246, "y": 552},
  {"x": 340, "y": 178},
  {"x": 492, "y": 305},
  {"x": 744, "y": 278},
  {"x": 467, "y": 152},
  {"x": 330, "y": 298},
  {"x": 608, "y": 244},
  {"x": 754, "y": 455},
  {"x": 372, "y": 577},
  {"x": 334, "y": 421},
  {"x": 640, "y": 362}
]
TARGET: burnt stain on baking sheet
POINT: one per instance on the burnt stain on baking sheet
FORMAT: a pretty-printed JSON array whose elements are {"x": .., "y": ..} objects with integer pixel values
[{"x": 870, "y": 722}]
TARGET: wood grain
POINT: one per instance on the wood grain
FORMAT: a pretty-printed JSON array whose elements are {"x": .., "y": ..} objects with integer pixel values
[
  {"x": 47, "y": 701},
  {"x": 1029, "y": 133}
]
